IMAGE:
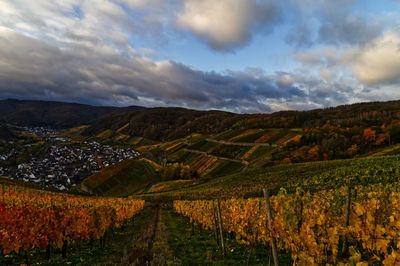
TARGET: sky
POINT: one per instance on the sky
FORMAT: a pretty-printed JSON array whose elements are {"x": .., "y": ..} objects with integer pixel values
[{"x": 247, "y": 56}]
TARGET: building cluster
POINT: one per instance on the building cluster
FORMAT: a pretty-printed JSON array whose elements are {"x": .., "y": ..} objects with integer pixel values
[{"x": 62, "y": 163}]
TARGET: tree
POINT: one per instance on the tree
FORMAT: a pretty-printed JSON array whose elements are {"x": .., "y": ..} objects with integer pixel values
[
  {"x": 174, "y": 171},
  {"x": 369, "y": 134},
  {"x": 352, "y": 150},
  {"x": 313, "y": 153},
  {"x": 185, "y": 172},
  {"x": 394, "y": 133}
]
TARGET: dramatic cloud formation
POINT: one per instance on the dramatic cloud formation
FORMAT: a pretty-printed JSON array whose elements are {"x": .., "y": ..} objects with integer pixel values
[
  {"x": 128, "y": 52},
  {"x": 101, "y": 75},
  {"x": 228, "y": 24}
]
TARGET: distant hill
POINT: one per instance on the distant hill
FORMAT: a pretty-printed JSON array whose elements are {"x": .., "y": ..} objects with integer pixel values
[
  {"x": 344, "y": 115},
  {"x": 294, "y": 136},
  {"x": 172, "y": 123},
  {"x": 229, "y": 142},
  {"x": 54, "y": 114},
  {"x": 165, "y": 123}
]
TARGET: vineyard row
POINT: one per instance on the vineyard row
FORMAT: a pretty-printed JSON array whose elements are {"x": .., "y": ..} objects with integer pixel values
[
  {"x": 36, "y": 219},
  {"x": 330, "y": 227}
]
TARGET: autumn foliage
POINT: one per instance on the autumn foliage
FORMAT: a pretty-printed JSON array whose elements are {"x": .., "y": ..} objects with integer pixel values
[
  {"x": 36, "y": 219},
  {"x": 311, "y": 227}
]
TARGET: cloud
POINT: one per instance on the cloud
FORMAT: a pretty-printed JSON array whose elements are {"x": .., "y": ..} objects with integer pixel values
[
  {"x": 83, "y": 51},
  {"x": 87, "y": 21},
  {"x": 333, "y": 23},
  {"x": 379, "y": 62},
  {"x": 99, "y": 74},
  {"x": 350, "y": 74},
  {"x": 227, "y": 24},
  {"x": 351, "y": 29}
]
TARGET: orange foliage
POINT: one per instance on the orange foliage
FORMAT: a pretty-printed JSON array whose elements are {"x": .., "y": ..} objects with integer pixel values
[
  {"x": 309, "y": 226},
  {"x": 369, "y": 134},
  {"x": 313, "y": 153},
  {"x": 31, "y": 218}
]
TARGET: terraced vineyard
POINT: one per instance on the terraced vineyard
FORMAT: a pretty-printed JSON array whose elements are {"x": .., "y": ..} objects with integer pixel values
[
  {"x": 309, "y": 214},
  {"x": 122, "y": 179},
  {"x": 33, "y": 219},
  {"x": 312, "y": 176},
  {"x": 316, "y": 229},
  {"x": 345, "y": 213},
  {"x": 197, "y": 198},
  {"x": 309, "y": 200}
]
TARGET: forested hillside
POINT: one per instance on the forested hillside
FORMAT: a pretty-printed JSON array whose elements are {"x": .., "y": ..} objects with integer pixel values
[
  {"x": 53, "y": 114},
  {"x": 295, "y": 136},
  {"x": 165, "y": 123}
]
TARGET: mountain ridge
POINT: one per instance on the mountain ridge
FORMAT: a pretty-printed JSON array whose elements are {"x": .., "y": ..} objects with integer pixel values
[
  {"x": 171, "y": 123},
  {"x": 54, "y": 114}
]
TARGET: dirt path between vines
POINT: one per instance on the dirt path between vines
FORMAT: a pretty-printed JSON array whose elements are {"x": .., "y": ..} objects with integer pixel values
[{"x": 151, "y": 247}]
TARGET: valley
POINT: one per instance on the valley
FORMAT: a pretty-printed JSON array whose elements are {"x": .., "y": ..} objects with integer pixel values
[
  {"x": 187, "y": 132},
  {"x": 52, "y": 159},
  {"x": 311, "y": 163}
]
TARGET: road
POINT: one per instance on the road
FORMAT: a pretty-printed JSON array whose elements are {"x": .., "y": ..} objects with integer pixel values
[
  {"x": 243, "y": 144},
  {"x": 244, "y": 162}
]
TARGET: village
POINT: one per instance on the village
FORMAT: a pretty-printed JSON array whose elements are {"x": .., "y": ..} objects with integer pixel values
[{"x": 61, "y": 164}]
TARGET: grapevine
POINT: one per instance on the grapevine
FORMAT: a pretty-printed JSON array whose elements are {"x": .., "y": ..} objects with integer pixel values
[
  {"x": 311, "y": 226},
  {"x": 35, "y": 219}
]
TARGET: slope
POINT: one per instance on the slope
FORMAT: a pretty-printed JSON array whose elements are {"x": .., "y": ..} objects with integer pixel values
[
  {"x": 163, "y": 124},
  {"x": 312, "y": 176},
  {"x": 53, "y": 114},
  {"x": 172, "y": 123},
  {"x": 121, "y": 179},
  {"x": 6, "y": 133}
]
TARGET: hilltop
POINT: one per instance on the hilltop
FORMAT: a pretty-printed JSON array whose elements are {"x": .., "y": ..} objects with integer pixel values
[
  {"x": 171, "y": 123},
  {"x": 54, "y": 114},
  {"x": 162, "y": 124},
  {"x": 284, "y": 137}
]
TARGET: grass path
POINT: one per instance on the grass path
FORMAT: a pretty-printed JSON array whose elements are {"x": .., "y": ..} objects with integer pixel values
[
  {"x": 171, "y": 239},
  {"x": 196, "y": 246}
]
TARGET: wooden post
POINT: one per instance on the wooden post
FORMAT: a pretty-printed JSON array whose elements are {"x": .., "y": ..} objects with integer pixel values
[
  {"x": 48, "y": 251},
  {"x": 215, "y": 221},
  {"x": 269, "y": 224},
  {"x": 347, "y": 219},
  {"x": 26, "y": 254},
  {"x": 221, "y": 233},
  {"x": 105, "y": 238},
  {"x": 64, "y": 249}
]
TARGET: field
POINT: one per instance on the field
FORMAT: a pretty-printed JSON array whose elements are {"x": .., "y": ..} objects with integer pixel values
[
  {"x": 308, "y": 203},
  {"x": 122, "y": 179},
  {"x": 309, "y": 176},
  {"x": 242, "y": 206},
  {"x": 36, "y": 220}
]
